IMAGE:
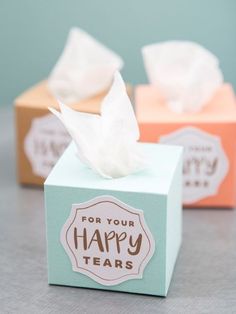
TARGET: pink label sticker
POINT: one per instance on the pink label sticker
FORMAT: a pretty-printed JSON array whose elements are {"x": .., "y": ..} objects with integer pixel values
[
  {"x": 44, "y": 144},
  {"x": 107, "y": 240},
  {"x": 205, "y": 162}
]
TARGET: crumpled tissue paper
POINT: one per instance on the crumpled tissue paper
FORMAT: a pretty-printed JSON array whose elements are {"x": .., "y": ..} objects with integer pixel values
[
  {"x": 186, "y": 73},
  {"x": 85, "y": 68},
  {"x": 107, "y": 143}
]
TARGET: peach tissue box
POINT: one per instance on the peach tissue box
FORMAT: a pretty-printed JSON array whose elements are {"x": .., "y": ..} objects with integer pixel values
[{"x": 209, "y": 139}]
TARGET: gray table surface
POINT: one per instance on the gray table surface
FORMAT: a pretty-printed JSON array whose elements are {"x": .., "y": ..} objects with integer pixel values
[{"x": 204, "y": 279}]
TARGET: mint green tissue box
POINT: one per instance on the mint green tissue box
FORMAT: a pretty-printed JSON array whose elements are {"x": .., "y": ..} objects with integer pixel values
[{"x": 119, "y": 234}]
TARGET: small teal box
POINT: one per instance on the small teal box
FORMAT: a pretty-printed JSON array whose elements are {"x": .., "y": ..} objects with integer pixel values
[{"x": 119, "y": 234}]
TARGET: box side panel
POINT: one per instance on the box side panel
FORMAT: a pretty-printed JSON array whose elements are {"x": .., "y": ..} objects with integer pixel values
[
  {"x": 47, "y": 211},
  {"x": 23, "y": 119},
  {"x": 174, "y": 223},
  {"x": 234, "y": 171},
  {"x": 59, "y": 201},
  {"x": 17, "y": 117}
]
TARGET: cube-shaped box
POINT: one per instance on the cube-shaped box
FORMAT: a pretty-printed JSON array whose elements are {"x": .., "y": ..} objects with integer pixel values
[
  {"x": 118, "y": 234},
  {"x": 40, "y": 137},
  {"x": 208, "y": 136}
]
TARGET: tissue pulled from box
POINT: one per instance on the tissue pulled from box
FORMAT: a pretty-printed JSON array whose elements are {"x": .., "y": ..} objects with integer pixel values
[
  {"x": 186, "y": 73},
  {"x": 85, "y": 68},
  {"x": 107, "y": 143}
]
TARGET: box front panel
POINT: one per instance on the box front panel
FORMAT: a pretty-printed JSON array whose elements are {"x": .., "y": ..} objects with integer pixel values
[
  {"x": 106, "y": 264},
  {"x": 209, "y": 159}
]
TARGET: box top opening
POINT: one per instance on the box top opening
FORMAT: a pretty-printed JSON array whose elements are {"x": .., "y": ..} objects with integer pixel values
[
  {"x": 40, "y": 97},
  {"x": 156, "y": 179},
  {"x": 152, "y": 108}
]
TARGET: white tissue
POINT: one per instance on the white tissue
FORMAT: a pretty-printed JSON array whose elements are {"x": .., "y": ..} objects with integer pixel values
[
  {"x": 107, "y": 143},
  {"x": 85, "y": 68},
  {"x": 186, "y": 73}
]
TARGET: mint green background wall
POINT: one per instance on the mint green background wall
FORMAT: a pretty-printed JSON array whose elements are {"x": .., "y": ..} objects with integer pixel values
[{"x": 32, "y": 33}]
